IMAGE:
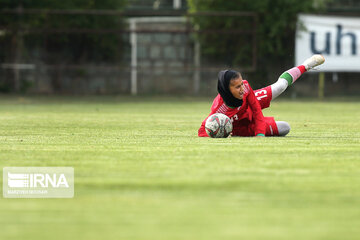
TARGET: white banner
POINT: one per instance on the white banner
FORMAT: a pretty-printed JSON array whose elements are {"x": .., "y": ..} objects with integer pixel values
[{"x": 337, "y": 38}]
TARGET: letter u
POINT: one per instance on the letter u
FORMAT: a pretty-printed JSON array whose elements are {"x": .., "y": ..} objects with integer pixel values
[{"x": 326, "y": 50}]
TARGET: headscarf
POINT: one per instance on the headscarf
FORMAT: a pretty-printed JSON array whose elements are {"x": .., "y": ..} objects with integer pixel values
[{"x": 224, "y": 78}]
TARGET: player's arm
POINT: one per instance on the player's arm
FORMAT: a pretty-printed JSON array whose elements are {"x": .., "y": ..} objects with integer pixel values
[{"x": 258, "y": 117}]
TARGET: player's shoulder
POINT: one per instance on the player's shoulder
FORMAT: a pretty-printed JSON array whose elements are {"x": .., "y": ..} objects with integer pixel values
[
  {"x": 219, "y": 106},
  {"x": 247, "y": 86},
  {"x": 218, "y": 101},
  {"x": 246, "y": 83}
]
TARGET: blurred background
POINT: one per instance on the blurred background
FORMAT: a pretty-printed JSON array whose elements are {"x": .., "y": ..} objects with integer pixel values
[{"x": 152, "y": 47}]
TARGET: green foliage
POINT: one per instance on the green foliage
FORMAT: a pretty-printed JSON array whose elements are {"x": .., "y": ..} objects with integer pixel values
[
  {"x": 74, "y": 47},
  {"x": 275, "y": 27}
]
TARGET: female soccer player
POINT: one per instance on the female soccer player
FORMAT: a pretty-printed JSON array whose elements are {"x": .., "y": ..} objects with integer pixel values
[{"x": 243, "y": 105}]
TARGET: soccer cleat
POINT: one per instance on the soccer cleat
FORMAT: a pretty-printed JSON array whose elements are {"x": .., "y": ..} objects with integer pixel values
[{"x": 313, "y": 61}]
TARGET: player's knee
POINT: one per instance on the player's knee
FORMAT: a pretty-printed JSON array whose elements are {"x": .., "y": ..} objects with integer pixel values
[{"x": 283, "y": 128}]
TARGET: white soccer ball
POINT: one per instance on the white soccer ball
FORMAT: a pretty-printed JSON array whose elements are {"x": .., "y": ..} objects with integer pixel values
[{"x": 218, "y": 125}]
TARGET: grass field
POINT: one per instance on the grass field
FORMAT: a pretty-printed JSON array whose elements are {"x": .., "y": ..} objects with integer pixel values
[{"x": 141, "y": 172}]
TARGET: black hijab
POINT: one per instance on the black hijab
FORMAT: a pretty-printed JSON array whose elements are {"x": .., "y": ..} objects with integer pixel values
[{"x": 224, "y": 78}]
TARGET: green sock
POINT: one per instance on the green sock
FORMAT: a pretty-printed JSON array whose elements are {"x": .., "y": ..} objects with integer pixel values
[{"x": 287, "y": 77}]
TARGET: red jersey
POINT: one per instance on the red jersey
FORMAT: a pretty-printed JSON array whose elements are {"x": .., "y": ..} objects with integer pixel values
[{"x": 247, "y": 119}]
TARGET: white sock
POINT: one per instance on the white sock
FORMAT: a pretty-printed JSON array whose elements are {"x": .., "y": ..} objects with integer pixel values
[
  {"x": 283, "y": 128},
  {"x": 286, "y": 79},
  {"x": 279, "y": 87}
]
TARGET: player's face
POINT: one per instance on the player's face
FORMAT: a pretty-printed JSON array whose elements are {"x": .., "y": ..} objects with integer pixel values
[{"x": 237, "y": 88}]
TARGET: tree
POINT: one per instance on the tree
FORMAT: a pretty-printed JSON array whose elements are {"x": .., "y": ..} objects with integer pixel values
[
  {"x": 21, "y": 44},
  {"x": 275, "y": 31}
]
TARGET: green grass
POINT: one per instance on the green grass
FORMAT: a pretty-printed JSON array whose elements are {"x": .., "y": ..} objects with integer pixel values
[{"x": 141, "y": 172}]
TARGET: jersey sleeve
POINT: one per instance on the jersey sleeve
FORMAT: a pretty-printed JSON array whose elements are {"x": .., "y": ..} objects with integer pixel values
[{"x": 258, "y": 117}]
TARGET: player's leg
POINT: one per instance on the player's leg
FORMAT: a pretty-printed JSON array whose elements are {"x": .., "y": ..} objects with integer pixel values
[
  {"x": 266, "y": 94},
  {"x": 290, "y": 76},
  {"x": 276, "y": 128},
  {"x": 245, "y": 128},
  {"x": 283, "y": 128}
]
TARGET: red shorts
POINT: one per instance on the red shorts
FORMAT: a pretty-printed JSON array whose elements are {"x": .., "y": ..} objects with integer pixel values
[{"x": 245, "y": 128}]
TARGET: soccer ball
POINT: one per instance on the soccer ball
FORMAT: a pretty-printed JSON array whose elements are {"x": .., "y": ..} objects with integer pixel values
[{"x": 218, "y": 125}]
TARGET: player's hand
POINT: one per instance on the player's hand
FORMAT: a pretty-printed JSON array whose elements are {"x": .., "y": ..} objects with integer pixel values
[{"x": 260, "y": 135}]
